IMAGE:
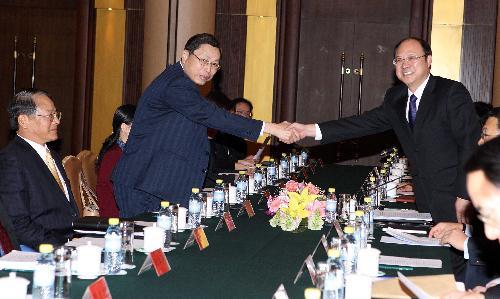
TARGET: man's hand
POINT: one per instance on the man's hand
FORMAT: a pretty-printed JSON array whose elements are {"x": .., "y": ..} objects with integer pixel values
[
  {"x": 282, "y": 131},
  {"x": 455, "y": 238},
  {"x": 438, "y": 230},
  {"x": 303, "y": 130},
  {"x": 461, "y": 208},
  {"x": 463, "y": 295}
]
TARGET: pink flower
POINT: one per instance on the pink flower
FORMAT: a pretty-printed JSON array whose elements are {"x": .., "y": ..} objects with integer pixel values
[
  {"x": 292, "y": 186},
  {"x": 274, "y": 205},
  {"x": 313, "y": 189},
  {"x": 301, "y": 186},
  {"x": 317, "y": 205}
]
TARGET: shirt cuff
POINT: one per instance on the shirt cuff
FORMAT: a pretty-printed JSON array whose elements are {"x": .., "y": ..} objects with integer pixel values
[
  {"x": 466, "y": 249},
  {"x": 318, "y": 136},
  {"x": 262, "y": 129}
]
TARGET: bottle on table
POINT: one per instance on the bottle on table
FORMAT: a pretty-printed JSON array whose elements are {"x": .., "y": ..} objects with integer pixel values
[
  {"x": 334, "y": 278},
  {"x": 219, "y": 197},
  {"x": 331, "y": 206},
  {"x": 271, "y": 172},
  {"x": 284, "y": 168},
  {"x": 368, "y": 215},
  {"x": 164, "y": 220},
  {"x": 62, "y": 284},
  {"x": 383, "y": 184},
  {"x": 194, "y": 209},
  {"x": 113, "y": 247},
  {"x": 258, "y": 178},
  {"x": 348, "y": 250},
  {"x": 294, "y": 161},
  {"x": 373, "y": 191},
  {"x": 304, "y": 155},
  {"x": 360, "y": 229},
  {"x": 44, "y": 274},
  {"x": 241, "y": 187}
]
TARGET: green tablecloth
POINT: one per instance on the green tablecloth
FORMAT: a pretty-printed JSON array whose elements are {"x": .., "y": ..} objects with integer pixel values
[{"x": 250, "y": 262}]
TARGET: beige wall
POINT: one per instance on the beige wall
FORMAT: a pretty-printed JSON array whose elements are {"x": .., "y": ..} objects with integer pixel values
[
  {"x": 155, "y": 39},
  {"x": 108, "y": 68},
  {"x": 446, "y": 38}
]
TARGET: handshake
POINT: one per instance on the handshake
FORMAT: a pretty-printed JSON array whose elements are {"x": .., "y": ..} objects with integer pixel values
[{"x": 290, "y": 132}]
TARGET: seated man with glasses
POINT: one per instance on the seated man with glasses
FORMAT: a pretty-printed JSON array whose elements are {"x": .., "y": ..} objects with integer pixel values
[
  {"x": 229, "y": 152},
  {"x": 491, "y": 127},
  {"x": 34, "y": 189}
]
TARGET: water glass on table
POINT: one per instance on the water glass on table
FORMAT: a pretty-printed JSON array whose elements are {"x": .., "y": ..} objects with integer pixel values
[{"x": 127, "y": 231}]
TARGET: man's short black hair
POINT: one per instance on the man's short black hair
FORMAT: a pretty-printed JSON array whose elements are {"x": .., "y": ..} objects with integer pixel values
[
  {"x": 197, "y": 40},
  {"x": 487, "y": 159},
  {"x": 425, "y": 45},
  {"x": 236, "y": 101},
  {"x": 23, "y": 103}
]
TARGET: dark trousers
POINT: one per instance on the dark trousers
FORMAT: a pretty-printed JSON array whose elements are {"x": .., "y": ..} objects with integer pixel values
[{"x": 132, "y": 202}]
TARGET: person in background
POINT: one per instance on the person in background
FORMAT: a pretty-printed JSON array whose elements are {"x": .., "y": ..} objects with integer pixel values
[
  {"x": 491, "y": 127},
  {"x": 482, "y": 109},
  {"x": 228, "y": 152},
  {"x": 109, "y": 155},
  {"x": 168, "y": 150},
  {"x": 34, "y": 188},
  {"x": 483, "y": 184}
]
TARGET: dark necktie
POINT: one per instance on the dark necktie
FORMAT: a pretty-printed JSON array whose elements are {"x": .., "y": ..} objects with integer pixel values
[{"x": 412, "y": 111}]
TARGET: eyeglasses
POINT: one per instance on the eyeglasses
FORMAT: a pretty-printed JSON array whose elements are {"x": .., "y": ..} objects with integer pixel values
[
  {"x": 54, "y": 115},
  {"x": 204, "y": 63},
  {"x": 410, "y": 59}
]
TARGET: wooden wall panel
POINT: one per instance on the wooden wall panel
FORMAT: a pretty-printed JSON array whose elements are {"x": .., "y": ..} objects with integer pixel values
[
  {"x": 134, "y": 44},
  {"x": 230, "y": 30},
  {"x": 478, "y": 48}
]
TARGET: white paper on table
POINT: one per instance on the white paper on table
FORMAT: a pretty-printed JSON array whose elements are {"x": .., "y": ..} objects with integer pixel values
[
  {"x": 395, "y": 214},
  {"x": 144, "y": 223},
  {"x": 416, "y": 290},
  {"x": 392, "y": 240},
  {"x": 138, "y": 243},
  {"x": 19, "y": 260},
  {"x": 410, "y": 262},
  {"x": 411, "y": 239},
  {"x": 90, "y": 232},
  {"x": 409, "y": 231}
]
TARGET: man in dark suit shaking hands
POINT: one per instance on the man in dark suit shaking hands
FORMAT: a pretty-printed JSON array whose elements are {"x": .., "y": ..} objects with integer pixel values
[
  {"x": 435, "y": 123},
  {"x": 167, "y": 151},
  {"x": 34, "y": 189}
]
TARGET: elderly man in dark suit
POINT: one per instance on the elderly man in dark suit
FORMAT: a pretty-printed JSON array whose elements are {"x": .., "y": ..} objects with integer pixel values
[
  {"x": 167, "y": 151},
  {"x": 34, "y": 189},
  {"x": 436, "y": 124}
]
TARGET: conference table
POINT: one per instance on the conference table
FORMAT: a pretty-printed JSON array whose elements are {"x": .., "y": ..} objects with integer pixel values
[{"x": 253, "y": 260}]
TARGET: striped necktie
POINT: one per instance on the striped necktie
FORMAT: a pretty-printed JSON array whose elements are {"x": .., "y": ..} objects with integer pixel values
[{"x": 52, "y": 167}]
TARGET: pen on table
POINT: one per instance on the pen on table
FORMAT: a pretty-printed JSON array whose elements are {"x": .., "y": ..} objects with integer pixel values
[{"x": 395, "y": 267}]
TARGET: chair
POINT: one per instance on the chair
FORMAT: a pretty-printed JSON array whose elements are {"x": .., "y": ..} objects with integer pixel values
[
  {"x": 73, "y": 167},
  {"x": 88, "y": 159}
]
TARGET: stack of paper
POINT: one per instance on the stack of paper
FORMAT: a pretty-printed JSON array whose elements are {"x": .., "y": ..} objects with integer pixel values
[
  {"x": 410, "y": 262},
  {"x": 399, "y": 215},
  {"x": 409, "y": 239}
]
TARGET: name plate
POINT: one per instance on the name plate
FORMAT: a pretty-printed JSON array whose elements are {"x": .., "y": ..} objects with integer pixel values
[
  {"x": 325, "y": 243},
  {"x": 228, "y": 219},
  {"x": 98, "y": 290},
  {"x": 158, "y": 260},
  {"x": 246, "y": 206},
  {"x": 310, "y": 267},
  {"x": 201, "y": 238}
]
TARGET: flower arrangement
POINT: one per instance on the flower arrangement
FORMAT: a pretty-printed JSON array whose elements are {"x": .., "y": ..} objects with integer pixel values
[{"x": 295, "y": 202}]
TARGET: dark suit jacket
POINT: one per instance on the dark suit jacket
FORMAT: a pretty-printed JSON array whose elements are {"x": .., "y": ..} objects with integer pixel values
[
  {"x": 167, "y": 150},
  {"x": 225, "y": 151},
  {"x": 483, "y": 264},
  {"x": 36, "y": 205},
  {"x": 446, "y": 132},
  {"x": 104, "y": 188}
]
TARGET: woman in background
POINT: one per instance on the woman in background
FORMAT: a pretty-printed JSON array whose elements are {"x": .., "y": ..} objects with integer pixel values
[{"x": 109, "y": 155}]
